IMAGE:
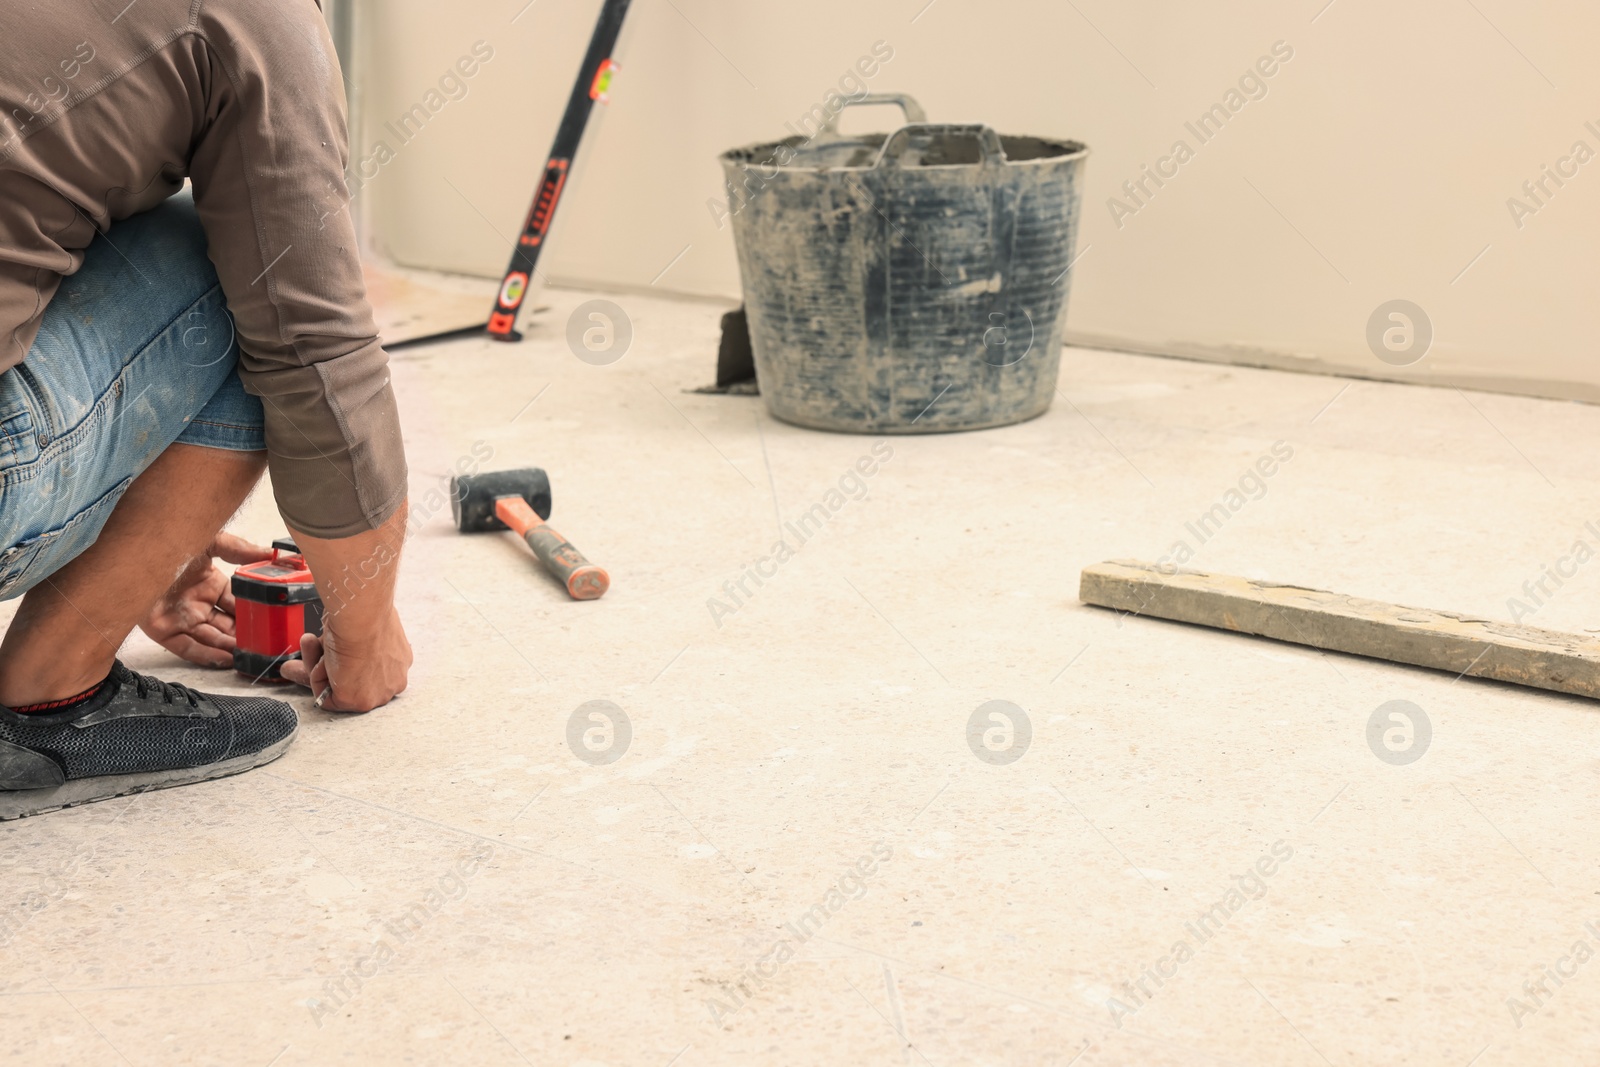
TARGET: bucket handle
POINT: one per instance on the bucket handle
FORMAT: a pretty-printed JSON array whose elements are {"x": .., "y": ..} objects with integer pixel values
[
  {"x": 829, "y": 130},
  {"x": 989, "y": 148}
]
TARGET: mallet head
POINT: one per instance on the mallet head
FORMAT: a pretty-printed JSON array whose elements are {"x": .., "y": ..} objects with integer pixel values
[{"x": 472, "y": 496}]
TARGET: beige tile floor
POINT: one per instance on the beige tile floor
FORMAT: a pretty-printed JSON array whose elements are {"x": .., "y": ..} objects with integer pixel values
[{"x": 798, "y": 859}]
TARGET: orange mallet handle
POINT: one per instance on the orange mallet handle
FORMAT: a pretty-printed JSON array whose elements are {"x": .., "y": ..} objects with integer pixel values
[{"x": 584, "y": 580}]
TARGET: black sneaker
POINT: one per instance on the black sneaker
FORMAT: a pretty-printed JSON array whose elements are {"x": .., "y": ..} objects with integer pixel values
[{"x": 136, "y": 733}]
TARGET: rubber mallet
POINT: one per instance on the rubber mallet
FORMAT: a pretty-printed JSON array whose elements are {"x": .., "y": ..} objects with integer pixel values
[{"x": 520, "y": 500}]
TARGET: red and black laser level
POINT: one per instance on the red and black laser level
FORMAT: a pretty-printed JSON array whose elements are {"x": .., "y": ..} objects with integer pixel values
[
  {"x": 594, "y": 82},
  {"x": 275, "y": 602}
]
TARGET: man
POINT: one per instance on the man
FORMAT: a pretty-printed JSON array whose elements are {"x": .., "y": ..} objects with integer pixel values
[{"x": 158, "y": 352}]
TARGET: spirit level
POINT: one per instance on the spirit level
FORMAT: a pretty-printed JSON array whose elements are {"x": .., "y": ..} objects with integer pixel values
[{"x": 593, "y": 83}]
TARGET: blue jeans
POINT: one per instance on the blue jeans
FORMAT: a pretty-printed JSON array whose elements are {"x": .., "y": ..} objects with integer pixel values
[{"x": 136, "y": 352}]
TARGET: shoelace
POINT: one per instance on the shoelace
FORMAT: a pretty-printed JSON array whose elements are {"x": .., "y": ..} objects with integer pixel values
[{"x": 144, "y": 685}]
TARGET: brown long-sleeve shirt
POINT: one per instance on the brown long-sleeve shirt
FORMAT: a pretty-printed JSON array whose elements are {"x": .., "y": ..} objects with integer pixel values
[{"x": 108, "y": 106}]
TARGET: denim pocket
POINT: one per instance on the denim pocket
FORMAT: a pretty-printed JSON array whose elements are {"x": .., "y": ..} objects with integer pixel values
[
  {"x": 26, "y": 565},
  {"x": 19, "y": 442}
]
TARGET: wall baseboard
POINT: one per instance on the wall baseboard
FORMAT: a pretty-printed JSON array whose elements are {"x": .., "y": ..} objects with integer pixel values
[
  {"x": 1232, "y": 355},
  {"x": 1268, "y": 359}
]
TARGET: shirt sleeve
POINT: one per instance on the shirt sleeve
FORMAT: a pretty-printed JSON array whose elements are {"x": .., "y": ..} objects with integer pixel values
[{"x": 268, "y": 172}]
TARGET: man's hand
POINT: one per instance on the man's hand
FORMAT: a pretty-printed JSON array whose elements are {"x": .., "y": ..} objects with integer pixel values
[
  {"x": 362, "y": 658},
  {"x": 370, "y": 668},
  {"x": 194, "y": 618}
]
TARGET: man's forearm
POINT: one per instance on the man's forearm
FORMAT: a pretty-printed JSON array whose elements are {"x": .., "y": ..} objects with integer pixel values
[
  {"x": 356, "y": 575},
  {"x": 362, "y": 659}
]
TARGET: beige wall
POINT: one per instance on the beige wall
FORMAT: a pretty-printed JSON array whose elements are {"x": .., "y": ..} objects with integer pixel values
[{"x": 1377, "y": 166}]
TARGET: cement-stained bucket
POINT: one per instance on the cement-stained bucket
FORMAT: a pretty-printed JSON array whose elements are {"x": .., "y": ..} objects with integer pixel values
[{"x": 911, "y": 282}]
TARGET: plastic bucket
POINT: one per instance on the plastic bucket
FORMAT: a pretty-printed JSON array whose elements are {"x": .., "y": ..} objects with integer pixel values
[{"x": 912, "y": 282}]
